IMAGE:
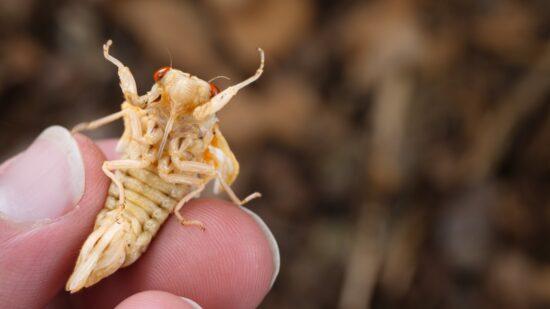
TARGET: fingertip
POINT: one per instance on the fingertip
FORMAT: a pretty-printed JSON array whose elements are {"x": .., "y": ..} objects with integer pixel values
[
  {"x": 192, "y": 303},
  {"x": 108, "y": 147},
  {"x": 55, "y": 241},
  {"x": 271, "y": 241},
  {"x": 232, "y": 261},
  {"x": 156, "y": 299},
  {"x": 96, "y": 183}
]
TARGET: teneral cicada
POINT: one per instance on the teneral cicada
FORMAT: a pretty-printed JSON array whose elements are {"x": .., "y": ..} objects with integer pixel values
[{"x": 171, "y": 148}]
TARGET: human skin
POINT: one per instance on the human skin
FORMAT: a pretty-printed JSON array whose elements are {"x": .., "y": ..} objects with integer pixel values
[{"x": 232, "y": 264}]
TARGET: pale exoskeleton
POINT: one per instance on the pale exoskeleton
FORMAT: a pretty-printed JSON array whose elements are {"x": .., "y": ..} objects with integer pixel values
[{"x": 171, "y": 148}]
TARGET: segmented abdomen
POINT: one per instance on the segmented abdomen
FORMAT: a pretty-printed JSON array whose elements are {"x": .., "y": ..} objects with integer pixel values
[
  {"x": 149, "y": 201},
  {"x": 120, "y": 236}
]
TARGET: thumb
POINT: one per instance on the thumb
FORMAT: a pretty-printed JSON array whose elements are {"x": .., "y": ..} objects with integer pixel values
[{"x": 49, "y": 196}]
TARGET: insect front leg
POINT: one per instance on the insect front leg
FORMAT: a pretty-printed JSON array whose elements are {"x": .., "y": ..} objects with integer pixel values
[
  {"x": 127, "y": 81},
  {"x": 220, "y": 100},
  {"x": 153, "y": 133},
  {"x": 110, "y": 166},
  {"x": 141, "y": 139},
  {"x": 98, "y": 123}
]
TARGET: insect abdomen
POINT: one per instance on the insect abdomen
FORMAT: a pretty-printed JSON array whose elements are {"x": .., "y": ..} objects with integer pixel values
[
  {"x": 121, "y": 235},
  {"x": 149, "y": 199}
]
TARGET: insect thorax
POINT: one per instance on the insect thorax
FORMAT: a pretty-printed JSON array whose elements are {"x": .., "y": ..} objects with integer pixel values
[{"x": 187, "y": 140}]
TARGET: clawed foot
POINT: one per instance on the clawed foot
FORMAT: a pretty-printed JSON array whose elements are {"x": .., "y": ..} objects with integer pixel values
[
  {"x": 120, "y": 206},
  {"x": 250, "y": 198},
  {"x": 187, "y": 222}
]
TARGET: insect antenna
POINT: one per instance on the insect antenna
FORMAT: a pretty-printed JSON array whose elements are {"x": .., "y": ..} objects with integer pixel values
[
  {"x": 218, "y": 77},
  {"x": 170, "y": 55}
]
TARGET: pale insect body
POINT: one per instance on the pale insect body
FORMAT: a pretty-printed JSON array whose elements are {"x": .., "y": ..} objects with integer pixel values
[{"x": 171, "y": 148}]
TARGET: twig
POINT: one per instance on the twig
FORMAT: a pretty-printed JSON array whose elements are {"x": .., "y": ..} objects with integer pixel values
[{"x": 495, "y": 132}]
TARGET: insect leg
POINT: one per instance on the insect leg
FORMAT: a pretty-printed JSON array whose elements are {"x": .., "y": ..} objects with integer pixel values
[
  {"x": 181, "y": 178},
  {"x": 127, "y": 81},
  {"x": 98, "y": 123},
  {"x": 220, "y": 100},
  {"x": 166, "y": 174},
  {"x": 108, "y": 168},
  {"x": 194, "y": 167},
  {"x": 232, "y": 194},
  {"x": 206, "y": 169},
  {"x": 153, "y": 134},
  {"x": 134, "y": 124},
  {"x": 182, "y": 202}
]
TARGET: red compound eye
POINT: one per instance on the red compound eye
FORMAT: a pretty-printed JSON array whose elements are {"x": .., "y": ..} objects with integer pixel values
[
  {"x": 159, "y": 74},
  {"x": 213, "y": 90}
]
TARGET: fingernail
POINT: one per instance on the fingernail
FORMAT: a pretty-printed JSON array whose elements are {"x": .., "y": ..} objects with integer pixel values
[
  {"x": 191, "y": 302},
  {"x": 271, "y": 242},
  {"x": 45, "y": 181}
]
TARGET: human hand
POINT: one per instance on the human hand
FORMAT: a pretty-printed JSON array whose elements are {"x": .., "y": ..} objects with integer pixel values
[{"x": 231, "y": 265}]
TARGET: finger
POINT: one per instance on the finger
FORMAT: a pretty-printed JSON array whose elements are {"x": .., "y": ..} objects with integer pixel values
[
  {"x": 42, "y": 228},
  {"x": 156, "y": 299},
  {"x": 108, "y": 147},
  {"x": 231, "y": 265}
]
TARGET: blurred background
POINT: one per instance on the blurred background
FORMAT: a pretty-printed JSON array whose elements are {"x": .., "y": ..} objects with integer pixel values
[{"x": 402, "y": 147}]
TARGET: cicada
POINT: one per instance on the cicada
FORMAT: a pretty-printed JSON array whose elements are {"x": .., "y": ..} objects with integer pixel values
[{"x": 171, "y": 148}]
